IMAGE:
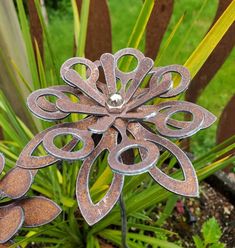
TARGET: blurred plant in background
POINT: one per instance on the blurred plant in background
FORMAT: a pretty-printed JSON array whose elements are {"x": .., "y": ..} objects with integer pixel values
[{"x": 25, "y": 67}]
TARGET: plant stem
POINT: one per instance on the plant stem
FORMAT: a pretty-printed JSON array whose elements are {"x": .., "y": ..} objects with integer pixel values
[{"x": 124, "y": 221}]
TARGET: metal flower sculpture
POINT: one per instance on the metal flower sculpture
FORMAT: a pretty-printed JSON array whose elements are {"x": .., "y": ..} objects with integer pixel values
[
  {"x": 21, "y": 211},
  {"x": 116, "y": 107}
]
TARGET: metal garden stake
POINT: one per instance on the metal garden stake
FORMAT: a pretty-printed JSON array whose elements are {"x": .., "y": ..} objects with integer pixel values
[{"x": 114, "y": 111}]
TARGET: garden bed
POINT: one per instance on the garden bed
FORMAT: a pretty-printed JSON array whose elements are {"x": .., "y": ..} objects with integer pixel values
[{"x": 210, "y": 204}]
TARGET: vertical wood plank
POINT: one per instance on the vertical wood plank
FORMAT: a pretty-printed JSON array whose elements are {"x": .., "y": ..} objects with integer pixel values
[{"x": 157, "y": 26}]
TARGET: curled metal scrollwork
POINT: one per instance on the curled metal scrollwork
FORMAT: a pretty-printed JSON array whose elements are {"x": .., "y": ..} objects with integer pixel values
[{"x": 116, "y": 108}]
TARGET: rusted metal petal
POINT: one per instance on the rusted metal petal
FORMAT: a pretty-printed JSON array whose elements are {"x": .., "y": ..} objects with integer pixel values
[
  {"x": 45, "y": 104},
  {"x": 67, "y": 106},
  {"x": 143, "y": 68},
  {"x": 38, "y": 210},
  {"x": 28, "y": 161},
  {"x": 88, "y": 86},
  {"x": 15, "y": 183},
  {"x": 151, "y": 152},
  {"x": 91, "y": 212},
  {"x": 201, "y": 118},
  {"x": 187, "y": 187},
  {"x": 44, "y": 109},
  {"x": 102, "y": 124},
  {"x": 181, "y": 86},
  {"x": 80, "y": 135},
  {"x": 2, "y": 162},
  {"x": 153, "y": 92},
  {"x": 107, "y": 61},
  {"x": 125, "y": 77},
  {"x": 11, "y": 220}
]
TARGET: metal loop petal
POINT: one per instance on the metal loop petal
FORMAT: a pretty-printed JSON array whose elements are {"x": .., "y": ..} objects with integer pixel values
[
  {"x": 84, "y": 136},
  {"x": 126, "y": 76},
  {"x": 88, "y": 86},
  {"x": 42, "y": 108},
  {"x": 28, "y": 161},
  {"x": 43, "y": 103},
  {"x": 187, "y": 187},
  {"x": 151, "y": 156},
  {"x": 91, "y": 212},
  {"x": 162, "y": 118},
  {"x": 70, "y": 107},
  {"x": 108, "y": 63},
  {"x": 182, "y": 86}
]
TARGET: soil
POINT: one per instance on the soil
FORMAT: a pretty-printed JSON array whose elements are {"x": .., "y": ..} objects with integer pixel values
[{"x": 196, "y": 211}]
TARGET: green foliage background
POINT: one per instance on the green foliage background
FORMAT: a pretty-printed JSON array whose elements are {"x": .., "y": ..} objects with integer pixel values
[{"x": 140, "y": 192}]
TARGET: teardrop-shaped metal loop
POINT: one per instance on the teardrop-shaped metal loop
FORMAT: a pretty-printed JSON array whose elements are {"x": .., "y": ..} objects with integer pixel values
[
  {"x": 188, "y": 186},
  {"x": 91, "y": 212},
  {"x": 201, "y": 118},
  {"x": 181, "y": 86},
  {"x": 87, "y": 86}
]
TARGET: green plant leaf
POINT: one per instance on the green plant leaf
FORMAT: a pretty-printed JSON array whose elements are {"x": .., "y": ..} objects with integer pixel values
[
  {"x": 211, "y": 231},
  {"x": 76, "y": 22},
  {"x": 48, "y": 42},
  {"x": 198, "y": 242},
  {"x": 28, "y": 43},
  {"x": 82, "y": 32},
  {"x": 168, "y": 41},
  {"x": 140, "y": 237},
  {"x": 141, "y": 216},
  {"x": 138, "y": 31},
  {"x": 217, "y": 245},
  {"x": 213, "y": 37},
  {"x": 170, "y": 205}
]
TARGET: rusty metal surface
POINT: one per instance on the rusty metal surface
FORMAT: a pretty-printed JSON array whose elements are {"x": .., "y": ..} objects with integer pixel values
[
  {"x": 114, "y": 110},
  {"x": 90, "y": 211},
  {"x": 23, "y": 211},
  {"x": 157, "y": 26}
]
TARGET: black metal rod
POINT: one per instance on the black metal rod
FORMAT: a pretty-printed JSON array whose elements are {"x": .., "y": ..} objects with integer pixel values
[{"x": 124, "y": 221}]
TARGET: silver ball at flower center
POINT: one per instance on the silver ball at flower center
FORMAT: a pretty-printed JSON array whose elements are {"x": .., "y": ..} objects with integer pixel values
[{"x": 115, "y": 103}]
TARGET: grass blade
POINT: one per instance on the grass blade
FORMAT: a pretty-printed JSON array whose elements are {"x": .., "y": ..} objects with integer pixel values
[
  {"x": 138, "y": 31},
  {"x": 208, "y": 44}
]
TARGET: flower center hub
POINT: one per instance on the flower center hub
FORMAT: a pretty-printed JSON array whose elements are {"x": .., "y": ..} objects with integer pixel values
[{"x": 115, "y": 103}]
